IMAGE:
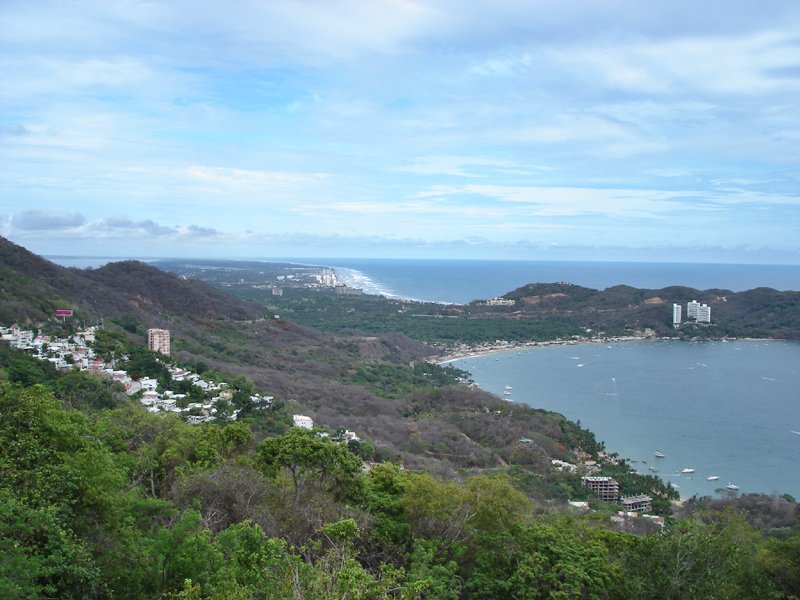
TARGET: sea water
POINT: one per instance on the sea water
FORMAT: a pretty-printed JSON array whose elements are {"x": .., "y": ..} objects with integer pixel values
[
  {"x": 725, "y": 409},
  {"x": 460, "y": 281}
]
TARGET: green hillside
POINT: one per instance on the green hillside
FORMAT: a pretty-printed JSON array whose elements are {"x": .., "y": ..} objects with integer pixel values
[{"x": 450, "y": 492}]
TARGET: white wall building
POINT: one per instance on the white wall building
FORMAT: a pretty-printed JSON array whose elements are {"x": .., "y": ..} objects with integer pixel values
[
  {"x": 691, "y": 309},
  {"x": 676, "y": 315},
  {"x": 704, "y": 313},
  {"x": 303, "y": 421}
]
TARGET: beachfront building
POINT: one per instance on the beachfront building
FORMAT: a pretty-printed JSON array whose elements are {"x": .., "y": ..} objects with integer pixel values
[
  {"x": 346, "y": 290},
  {"x": 605, "y": 487},
  {"x": 676, "y": 315},
  {"x": 642, "y": 502},
  {"x": 327, "y": 277},
  {"x": 691, "y": 309},
  {"x": 158, "y": 340}
]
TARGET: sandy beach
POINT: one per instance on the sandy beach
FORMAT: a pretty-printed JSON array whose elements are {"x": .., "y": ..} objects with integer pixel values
[{"x": 467, "y": 351}]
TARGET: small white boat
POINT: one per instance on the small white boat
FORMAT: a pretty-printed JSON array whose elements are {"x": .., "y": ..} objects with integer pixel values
[
  {"x": 732, "y": 486},
  {"x": 660, "y": 454},
  {"x": 687, "y": 471},
  {"x": 508, "y": 387},
  {"x": 713, "y": 477}
]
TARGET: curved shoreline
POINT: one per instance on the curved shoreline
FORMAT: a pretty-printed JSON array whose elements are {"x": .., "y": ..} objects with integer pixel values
[
  {"x": 466, "y": 351},
  {"x": 769, "y": 485}
]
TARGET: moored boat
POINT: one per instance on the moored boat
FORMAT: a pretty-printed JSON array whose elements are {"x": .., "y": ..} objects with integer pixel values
[
  {"x": 713, "y": 477},
  {"x": 660, "y": 454},
  {"x": 687, "y": 471},
  {"x": 732, "y": 486}
]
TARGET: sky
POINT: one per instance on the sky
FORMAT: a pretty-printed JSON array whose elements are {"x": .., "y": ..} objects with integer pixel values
[{"x": 666, "y": 130}]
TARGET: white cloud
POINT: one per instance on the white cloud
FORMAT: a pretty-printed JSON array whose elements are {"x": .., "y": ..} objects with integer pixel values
[
  {"x": 226, "y": 179},
  {"x": 644, "y": 203},
  {"x": 397, "y": 116},
  {"x": 503, "y": 66},
  {"x": 466, "y": 166},
  {"x": 722, "y": 64}
]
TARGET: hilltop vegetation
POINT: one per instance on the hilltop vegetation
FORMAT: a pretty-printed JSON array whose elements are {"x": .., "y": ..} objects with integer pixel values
[
  {"x": 126, "y": 504},
  {"x": 377, "y": 385},
  {"x": 100, "y": 498}
]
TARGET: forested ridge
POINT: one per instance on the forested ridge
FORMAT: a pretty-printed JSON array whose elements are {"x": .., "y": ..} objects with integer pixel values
[
  {"x": 451, "y": 494},
  {"x": 122, "y": 503},
  {"x": 540, "y": 312}
]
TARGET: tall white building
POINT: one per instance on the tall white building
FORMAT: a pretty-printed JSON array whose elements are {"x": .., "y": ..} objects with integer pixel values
[
  {"x": 676, "y": 315},
  {"x": 704, "y": 313},
  {"x": 691, "y": 309},
  {"x": 158, "y": 340}
]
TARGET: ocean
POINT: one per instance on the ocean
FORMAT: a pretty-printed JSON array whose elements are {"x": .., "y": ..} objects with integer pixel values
[
  {"x": 460, "y": 281},
  {"x": 725, "y": 409}
]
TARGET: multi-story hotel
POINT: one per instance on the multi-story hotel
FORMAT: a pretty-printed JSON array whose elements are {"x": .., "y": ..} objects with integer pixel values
[
  {"x": 699, "y": 312},
  {"x": 158, "y": 340},
  {"x": 605, "y": 487},
  {"x": 704, "y": 313}
]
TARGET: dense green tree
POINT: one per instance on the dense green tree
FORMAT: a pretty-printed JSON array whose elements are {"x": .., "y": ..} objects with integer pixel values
[
  {"x": 780, "y": 560},
  {"x": 83, "y": 391},
  {"x": 702, "y": 560},
  {"x": 40, "y": 556},
  {"x": 27, "y": 370},
  {"x": 560, "y": 560},
  {"x": 307, "y": 457}
]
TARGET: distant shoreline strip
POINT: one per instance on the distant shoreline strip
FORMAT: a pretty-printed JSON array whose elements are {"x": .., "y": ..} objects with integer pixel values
[{"x": 505, "y": 346}]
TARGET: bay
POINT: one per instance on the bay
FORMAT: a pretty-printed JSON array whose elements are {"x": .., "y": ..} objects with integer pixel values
[{"x": 729, "y": 409}]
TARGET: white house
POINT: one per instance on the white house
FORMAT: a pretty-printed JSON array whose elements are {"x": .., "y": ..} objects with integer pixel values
[{"x": 303, "y": 421}]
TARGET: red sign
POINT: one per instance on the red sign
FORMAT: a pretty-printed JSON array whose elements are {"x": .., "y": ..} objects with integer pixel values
[{"x": 63, "y": 312}]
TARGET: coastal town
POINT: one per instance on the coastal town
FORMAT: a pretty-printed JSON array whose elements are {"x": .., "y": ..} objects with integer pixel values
[
  {"x": 271, "y": 278},
  {"x": 76, "y": 353}
]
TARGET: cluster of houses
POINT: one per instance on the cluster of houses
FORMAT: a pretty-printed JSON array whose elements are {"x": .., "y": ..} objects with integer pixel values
[
  {"x": 64, "y": 353},
  {"x": 195, "y": 412},
  {"x": 75, "y": 352}
]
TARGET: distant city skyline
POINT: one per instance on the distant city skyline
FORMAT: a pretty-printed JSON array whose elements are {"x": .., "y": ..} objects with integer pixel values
[{"x": 548, "y": 130}]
